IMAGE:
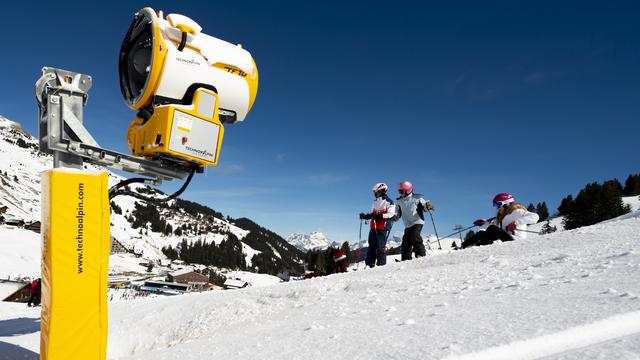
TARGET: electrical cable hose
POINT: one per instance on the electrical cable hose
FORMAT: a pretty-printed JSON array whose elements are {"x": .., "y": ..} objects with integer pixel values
[{"x": 113, "y": 192}]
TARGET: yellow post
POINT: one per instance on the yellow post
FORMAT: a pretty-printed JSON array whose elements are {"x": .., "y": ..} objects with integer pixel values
[{"x": 75, "y": 255}]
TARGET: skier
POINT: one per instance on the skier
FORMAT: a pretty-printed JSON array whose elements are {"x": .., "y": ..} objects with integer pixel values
[
  {"x": 383, "y": 211},
  {"x": 34, "y": 290},
  {"x": 511, "y": 218},
  {"x": 411, "y": 207},
  {"x": 340, "y": 259}
]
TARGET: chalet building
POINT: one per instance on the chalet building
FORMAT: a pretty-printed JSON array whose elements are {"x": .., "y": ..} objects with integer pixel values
[
  {"x": 33, "y": 226},
  {"x": 234, "y": 284},
  {"x": 117, "y": 247},
  {"x": 188, "y": 276}
]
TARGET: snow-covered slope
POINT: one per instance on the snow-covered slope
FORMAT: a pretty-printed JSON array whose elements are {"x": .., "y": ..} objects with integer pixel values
[
  {"x": 632, "y": 201},
  {"x": 567, "y": 295},
  {"x": 306, "y": 242},
  {"x": 21, "y": 165}
]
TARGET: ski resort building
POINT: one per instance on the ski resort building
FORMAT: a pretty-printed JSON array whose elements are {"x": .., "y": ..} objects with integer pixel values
[
  {"x": 190, "y": 277},
  {"x": 166, "y": 288}
]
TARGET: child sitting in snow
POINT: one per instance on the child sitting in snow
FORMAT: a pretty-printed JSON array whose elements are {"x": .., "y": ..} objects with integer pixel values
[{"x": 509, "y": 224}]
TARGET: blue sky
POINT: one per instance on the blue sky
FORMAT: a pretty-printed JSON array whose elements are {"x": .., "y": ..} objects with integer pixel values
[{"x": 465, "y": 100}]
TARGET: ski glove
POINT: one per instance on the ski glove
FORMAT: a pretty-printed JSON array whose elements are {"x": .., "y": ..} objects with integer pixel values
[
  {"x": 511, "y": 228},
  {"x": 364, "y": 216},
  {"x": 429, "y": 206},
  {"x": 479, "y": 222},
  {"x": 376, "y": 216}
]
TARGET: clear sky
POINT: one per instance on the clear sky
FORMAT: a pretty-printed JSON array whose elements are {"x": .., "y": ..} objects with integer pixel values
[{"x": 465, "y": 100}]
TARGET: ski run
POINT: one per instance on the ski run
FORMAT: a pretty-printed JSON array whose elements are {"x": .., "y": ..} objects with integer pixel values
[{"x": 567, "y": 295}]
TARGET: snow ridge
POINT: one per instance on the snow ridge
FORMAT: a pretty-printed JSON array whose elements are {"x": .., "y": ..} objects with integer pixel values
[{"x": 305, "y": 242}]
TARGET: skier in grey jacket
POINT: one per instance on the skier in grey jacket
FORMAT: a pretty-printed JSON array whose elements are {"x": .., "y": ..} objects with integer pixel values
[{"x": 411, "y": 207}]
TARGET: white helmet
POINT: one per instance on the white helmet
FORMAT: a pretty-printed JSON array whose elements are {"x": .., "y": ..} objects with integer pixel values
[{"x": 379, "y": 189}]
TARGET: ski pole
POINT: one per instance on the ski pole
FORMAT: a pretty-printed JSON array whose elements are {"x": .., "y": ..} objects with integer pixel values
[
  {"x": 434, "y": 229},
  {"x": 359, "y": 253},
  {"x": 529, "y": 231},
  {"x": 459, "y": 231}
]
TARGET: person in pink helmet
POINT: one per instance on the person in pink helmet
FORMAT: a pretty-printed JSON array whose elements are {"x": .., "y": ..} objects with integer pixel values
[
  {"x": 410, "y": 207},
  {"x": 508, "y": 224}
]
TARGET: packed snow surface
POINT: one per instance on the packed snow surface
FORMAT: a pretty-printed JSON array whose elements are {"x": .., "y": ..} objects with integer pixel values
[{"x": 567, "y": 295}]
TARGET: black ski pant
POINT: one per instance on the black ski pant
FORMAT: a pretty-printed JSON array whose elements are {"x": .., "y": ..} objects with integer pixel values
[
  {"x": 491, "y": 234},
  {"x": 34, "y": 299},
  {"x": 412, "y": 242},
  {"x": 376, "y": 251}
]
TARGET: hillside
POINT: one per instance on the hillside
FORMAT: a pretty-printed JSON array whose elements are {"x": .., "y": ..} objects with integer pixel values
[
  {"x": 567, "y": 295},
  {"x": 143, "y": 230}
]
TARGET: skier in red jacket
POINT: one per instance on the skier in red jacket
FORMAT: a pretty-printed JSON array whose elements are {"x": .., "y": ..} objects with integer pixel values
[{"x": 35, "y": 293}]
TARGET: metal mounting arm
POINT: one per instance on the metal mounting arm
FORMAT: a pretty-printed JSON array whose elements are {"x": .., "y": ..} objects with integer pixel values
[{"x": 61, "y": 97}]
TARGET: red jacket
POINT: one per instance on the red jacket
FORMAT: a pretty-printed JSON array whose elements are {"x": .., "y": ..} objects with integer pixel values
[{"x": 384, "y": 206}]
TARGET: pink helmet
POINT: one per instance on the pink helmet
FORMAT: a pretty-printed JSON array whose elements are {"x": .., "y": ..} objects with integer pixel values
[
  {"x": 405, "y": 188},
  {"x": 502, "y": 199}
]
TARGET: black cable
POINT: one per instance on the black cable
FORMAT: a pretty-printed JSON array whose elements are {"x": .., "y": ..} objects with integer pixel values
[
  {"x": 146, "y": 198},
  {"x": 124, "y": 183}
]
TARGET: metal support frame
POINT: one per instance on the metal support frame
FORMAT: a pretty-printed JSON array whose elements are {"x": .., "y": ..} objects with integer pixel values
[{"x": 61, "y": 97}]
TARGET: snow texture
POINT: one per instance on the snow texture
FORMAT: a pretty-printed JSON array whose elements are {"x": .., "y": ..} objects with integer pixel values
[{"x": 566, "y": 295}]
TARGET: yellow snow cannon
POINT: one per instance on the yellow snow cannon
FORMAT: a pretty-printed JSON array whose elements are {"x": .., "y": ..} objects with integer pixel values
[{"x": 185, "y": 85}]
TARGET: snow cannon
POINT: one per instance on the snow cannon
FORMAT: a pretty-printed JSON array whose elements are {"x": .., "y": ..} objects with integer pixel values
[{"x": 185, "y": 85}]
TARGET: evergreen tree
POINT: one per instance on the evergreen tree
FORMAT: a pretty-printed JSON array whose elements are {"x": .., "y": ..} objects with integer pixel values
[
  {"x": 632, "y": 185},
  {"x": 542, "y": 211},
  {"x": 595, "y": 203},
  {"x": 531, "y": 208},
  {"x": 566, "y": 206},
  {"x": 320, "y": 263},
  {"x": 329, "y": 260},
  {"x": 216, "y": 278},
  {"x": 548, "y": 229},
  {"x": 310, "y": 259},
  {"x": 346, "y": 249}
]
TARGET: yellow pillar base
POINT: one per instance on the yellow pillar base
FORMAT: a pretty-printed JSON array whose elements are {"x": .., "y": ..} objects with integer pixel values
[{"x": 75, "y": 255}]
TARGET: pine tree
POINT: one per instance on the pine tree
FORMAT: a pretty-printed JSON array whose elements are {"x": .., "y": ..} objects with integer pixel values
[
  {"x": 548, "y": 229},
  {"x": 632, "y": 185},
  {"x": 346, "y": 249},
  {"x": 320, "y": 262},
  {"x": 531, "y": 208},
  {"x": 542, "y": 211},
  {"x": 595, "y": 203},
  {"x": 566, "y": 206}
]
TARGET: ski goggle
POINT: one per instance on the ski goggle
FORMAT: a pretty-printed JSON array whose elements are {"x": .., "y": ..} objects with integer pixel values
[{"x": 497, "y": 204}]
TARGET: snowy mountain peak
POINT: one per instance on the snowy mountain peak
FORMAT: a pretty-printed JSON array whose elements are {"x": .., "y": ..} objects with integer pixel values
[{"x": 305, "y": 242}]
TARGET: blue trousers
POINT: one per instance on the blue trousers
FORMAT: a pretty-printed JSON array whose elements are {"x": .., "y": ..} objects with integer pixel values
[{"x": 376, "y": 253}]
